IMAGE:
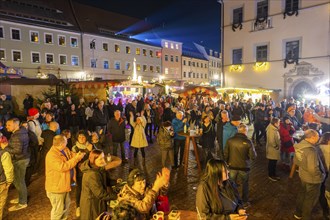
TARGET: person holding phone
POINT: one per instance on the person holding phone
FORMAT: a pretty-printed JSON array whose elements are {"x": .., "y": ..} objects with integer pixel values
[{"x": 217, "y": 196}]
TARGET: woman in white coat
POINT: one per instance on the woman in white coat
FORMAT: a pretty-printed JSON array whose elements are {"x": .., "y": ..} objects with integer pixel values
[
  {"x": 273, "y": 147},
  {"x": 139, "y": 139}
]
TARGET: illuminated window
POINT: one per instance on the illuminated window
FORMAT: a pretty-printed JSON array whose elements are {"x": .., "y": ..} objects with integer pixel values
[
  {"x": 128, "y": 66},
  {"x": 128, "y": 50},
  {"x": 138, "y": 67},
  {"x": 137, "y": 51},
  {"x": 177, "y": 46},
  {"x": 291, "y": 5},
  {"x": 172, "y": 58},
  {"x": 1, "y": 32},
  {"x": 15, "y": 34},
  {"x": 74, "y": 61},
  {"x": 145, "y": 68},
  {"x": 48, "y": 38},
  {"x": 93, "y": 63},
  {"x": 166, "y": 70},
  {"x": 34, "y": 36},
  {"x": 157, "y": 69},
  {"x": 238, "y": 15},
  {"x": 151, "y": 68},
  {"x": 105, "y": 46},
  {"x": 63, "y": 59},
  {"x": 49, "y": 58},
  {"x": 61, "y": 40},
  {"x": 74, "y": 42},
  {"x": 166, "y": 57},
  {"x": 17, "y": 56},
  {"x": 262, "y": 9},
  {"x": 2, "y": 54},
  {"x": 292, "y": 50},
  {"x": 166, "y": 44},
  {"x": 151, "y": 53},
  {"x": 117, "y": 65},
  {"x": 117, "y": 48},
  {"x": 144, "y": 51},
  {"x": 172, "y": 46},
  {"x": 261, "y": 52},
  {"x": 35, "y": 57},
  {"x": 158, "y": 54},
  {"x": 106, "y": 64},
  {"x": 237, "y": 57}
]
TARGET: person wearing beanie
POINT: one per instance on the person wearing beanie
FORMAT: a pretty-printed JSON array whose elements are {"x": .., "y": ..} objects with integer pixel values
[
  {"x": 291, "y": 114},
  {"x": 34, "y": 124}
]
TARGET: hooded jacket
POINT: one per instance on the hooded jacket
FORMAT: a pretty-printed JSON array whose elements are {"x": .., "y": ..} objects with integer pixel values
[
  {"x": 307, "y": 157},
  {"x": 229, "y": 131},
  {"x": 94, "y": 195}
]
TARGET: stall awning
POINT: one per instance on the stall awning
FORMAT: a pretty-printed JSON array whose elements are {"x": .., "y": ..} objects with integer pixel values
[{"x": 202, "y": 90}]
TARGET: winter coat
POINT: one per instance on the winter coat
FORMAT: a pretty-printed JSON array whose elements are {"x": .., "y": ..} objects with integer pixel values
[
  {"x": 168, "y": 114},
  {"x": 326, "y": 155},
  {"x": 100, "y": 118},
  {"x": 273, "y": 143},
  {"x": 208, "y": 136},
  {"x": 35, "y": 126},
  {"x": 178, "y": 126},
  {"x": 18, "y": 145},
  {"x": 48, "y": 136},
  {"x": 205, "y": 197},
  {"x": 229, "y": 131},
  {"x": 164, "y": 139},
  {"x": 139, "y": 139},
  {"x": 117, "y": 130},
  {"x": 308, "y": 158},
  {"x": 239, "y": 151},
  {"x": 142, "y": 203},
  {"x": 94, "y": 195},
  {"x": 286, "y": 132}
]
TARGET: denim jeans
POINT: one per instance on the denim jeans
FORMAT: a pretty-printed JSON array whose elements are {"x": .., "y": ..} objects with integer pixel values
[
  {"x": 307, "y": 198},
  {"x": 122, "y": 150},
  {"x": 19, "y": 179},
  {"x": 178, "y": 145},
  {"x": 60, "y": 205},
  {"x": 241, "y": 178}
]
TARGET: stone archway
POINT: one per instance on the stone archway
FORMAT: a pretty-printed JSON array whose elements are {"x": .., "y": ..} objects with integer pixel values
[{"x": 301, "y": 89}]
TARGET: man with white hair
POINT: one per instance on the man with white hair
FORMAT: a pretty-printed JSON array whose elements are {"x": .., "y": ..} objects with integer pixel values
[
  {"x": 239, "y": 152},
  {"x": 178, "y": 124}
]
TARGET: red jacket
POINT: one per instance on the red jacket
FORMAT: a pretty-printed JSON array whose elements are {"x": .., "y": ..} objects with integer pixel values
[{"x": 286, "y": 132}]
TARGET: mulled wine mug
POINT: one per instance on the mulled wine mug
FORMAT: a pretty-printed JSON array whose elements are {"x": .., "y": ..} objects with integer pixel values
[
  {"x": 159, "y": 216},
  {"x": 174, "y": 215}
]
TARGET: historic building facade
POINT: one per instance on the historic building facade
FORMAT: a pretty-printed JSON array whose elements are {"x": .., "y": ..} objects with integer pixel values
[{"x": 277, "y": 45}]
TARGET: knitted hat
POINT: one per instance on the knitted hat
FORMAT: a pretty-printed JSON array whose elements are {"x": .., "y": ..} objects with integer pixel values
[
  {"x": 33, "y": 111},
  {"x": 236, "y": 118}
]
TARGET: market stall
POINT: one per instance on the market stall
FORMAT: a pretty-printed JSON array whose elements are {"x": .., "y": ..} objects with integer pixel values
[{"x": 229, "y": 94}]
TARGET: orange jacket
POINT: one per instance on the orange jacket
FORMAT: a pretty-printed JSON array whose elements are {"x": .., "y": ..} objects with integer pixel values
[
  {"x": 309, "y": 118},
  {"x": 58, "y": 170}
]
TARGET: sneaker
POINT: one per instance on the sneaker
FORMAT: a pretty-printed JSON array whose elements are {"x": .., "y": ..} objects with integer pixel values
[
  {"x": 78, "y": 212},
  {"x": 14, "y": 201},
  {"x": 17, "y": 207},
  {"x": 297, "y": 216},
  {"x": 272, "y": 178}
]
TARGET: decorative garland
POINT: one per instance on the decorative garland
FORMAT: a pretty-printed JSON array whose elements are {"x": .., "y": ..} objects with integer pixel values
[
  {"x": 261, "y": 20},
  {"x": 235, "y": 26},
  {"x": 290, "y": 13},
  {"x": 290, "y": 61}
]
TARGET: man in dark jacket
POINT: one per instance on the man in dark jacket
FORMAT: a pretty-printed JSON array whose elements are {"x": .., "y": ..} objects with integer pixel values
[
  {"x": 259, "y": 123},
  {"x": 117, "y": 130},
  {"x": 239, "y": 151},
  {"x": 18, "y": 148},
  {"x": 48, "y": 136},
  {"x": 311, "y": 173},
  {"x": 27, "y": 103},
  {"x": 221, "y": 119},
  {"x": 100, "y": 117},
  {"x": 6, "y": 108}
]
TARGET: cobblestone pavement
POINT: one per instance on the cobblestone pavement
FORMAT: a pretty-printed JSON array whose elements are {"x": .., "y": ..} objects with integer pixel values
[{"x": 269, "y": 200}]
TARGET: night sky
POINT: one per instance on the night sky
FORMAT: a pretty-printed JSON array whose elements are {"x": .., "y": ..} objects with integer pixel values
[{"x": 185, "y": 21}]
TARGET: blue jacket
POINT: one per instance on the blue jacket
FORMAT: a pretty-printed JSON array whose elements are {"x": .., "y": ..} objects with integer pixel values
[
  {"x": 178, "y": 126},
  {"x": 229, "y": 131}
]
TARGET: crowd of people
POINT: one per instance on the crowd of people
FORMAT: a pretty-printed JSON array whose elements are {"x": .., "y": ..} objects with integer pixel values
[{"x": 67, "y": 141}]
